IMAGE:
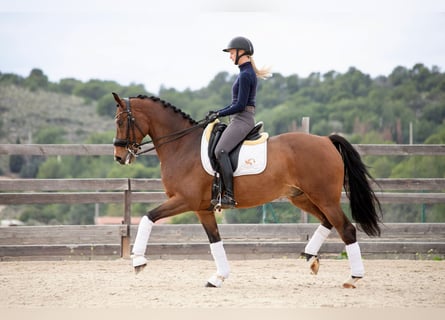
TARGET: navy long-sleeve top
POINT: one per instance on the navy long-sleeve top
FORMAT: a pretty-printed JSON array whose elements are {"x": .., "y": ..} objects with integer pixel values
[{"x": 243, "y": 91}]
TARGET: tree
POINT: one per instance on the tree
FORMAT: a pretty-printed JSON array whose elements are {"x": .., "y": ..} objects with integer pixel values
[
  {"x": 106, "y": 106},
  {"x": 54, "y": 168},
  {"x": 420, "y": 74},
  {"x": 11, "y": 79},
  {"x": 16, "y": 161},
  {"x": 399, "y": 76},
  {"x": 36, "y": 80},
  {"x": 67, "y": 85},
  {"x": 95, "y": 89},
  {"x": 50, "y": 135}
]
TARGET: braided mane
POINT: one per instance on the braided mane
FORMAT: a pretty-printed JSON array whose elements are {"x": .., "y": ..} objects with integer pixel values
[{"x": 169, "y": 105}]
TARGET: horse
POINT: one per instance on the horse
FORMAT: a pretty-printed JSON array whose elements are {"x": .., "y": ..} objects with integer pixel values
[{"x": 309, "y": 170}]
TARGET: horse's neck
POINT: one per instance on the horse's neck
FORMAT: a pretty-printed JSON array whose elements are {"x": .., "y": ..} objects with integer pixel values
[{"x": 168, "y": 144}]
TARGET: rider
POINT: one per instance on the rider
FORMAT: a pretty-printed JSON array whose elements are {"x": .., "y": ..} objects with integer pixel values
[{"x": 241, "y": 110}]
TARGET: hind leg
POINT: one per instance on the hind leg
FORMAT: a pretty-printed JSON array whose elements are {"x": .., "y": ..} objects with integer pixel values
[
  {"x": 347, "y": 233},
  {"x": 318, "y": 237}
]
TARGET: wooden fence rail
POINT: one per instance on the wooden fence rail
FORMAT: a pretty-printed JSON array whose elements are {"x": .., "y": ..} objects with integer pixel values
[
  {"x": 242, "y": 241},
  {"x": 104, "y": 190},
  {"x": 107, "y": 149}
]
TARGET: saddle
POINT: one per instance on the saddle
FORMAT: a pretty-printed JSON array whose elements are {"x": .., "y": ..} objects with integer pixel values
[
  {"x": 215, "y": 135},
  {"x": 254, "y": 137}
]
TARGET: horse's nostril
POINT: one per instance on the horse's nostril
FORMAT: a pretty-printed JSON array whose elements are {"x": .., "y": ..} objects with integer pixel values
[{"x": 118, "y": 159}]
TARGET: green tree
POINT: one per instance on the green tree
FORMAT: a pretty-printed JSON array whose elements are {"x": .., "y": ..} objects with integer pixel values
[
  {"x": 95, "y": 89},
  {"x": 67, "y": 85},
  {"x": 31, "y": 167},
  {"x": 16, "y": 161},
  {"x": 106, "y": 106},
  {"x": 54, "y": 168},
  {"x": 10, "y": 79},
  {"x": 50, "y": 135},
  {"x": 399, "y": 76},
  {"x": 36, "y": 80}
]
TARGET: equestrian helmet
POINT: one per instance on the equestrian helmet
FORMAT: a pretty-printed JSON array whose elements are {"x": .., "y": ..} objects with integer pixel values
[{"x": 240, "y": 43}]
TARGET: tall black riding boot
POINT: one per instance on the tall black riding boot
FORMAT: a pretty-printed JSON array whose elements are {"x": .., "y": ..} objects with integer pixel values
[{"x": 226, "y": 171}]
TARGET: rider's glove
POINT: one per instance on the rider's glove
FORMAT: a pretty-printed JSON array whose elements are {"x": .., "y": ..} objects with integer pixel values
[{"x": 212, "y": 116}]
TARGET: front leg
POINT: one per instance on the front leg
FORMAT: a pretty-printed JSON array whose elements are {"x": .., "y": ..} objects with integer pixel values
[
  {"x": 171, "y": 207},
  {"x": 216, "y": 248},
  {"x": 140, "y": 244}
]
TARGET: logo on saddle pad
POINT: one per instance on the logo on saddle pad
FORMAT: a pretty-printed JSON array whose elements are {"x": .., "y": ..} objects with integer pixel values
[{"x": 252, "y": 157}]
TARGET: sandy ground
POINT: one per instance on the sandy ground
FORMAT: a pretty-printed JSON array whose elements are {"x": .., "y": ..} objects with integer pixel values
[{"x": 270, "y": 283}]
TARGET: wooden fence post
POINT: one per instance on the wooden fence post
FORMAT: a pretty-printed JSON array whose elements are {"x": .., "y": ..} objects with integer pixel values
[{"x": 126, "y": 224}]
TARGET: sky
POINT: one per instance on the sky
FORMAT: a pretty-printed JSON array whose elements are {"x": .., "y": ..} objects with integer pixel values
[{"x": 178, "y": 44}]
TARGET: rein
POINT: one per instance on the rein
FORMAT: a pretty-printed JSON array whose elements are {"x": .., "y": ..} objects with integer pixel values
[{"x": 132, "y": 125}]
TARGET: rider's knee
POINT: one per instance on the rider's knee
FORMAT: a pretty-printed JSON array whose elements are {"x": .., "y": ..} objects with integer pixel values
[{"x": 220, "y": 153}]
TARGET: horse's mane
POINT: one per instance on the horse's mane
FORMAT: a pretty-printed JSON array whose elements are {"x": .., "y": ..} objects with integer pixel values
[{"x": 169, "y": 105}]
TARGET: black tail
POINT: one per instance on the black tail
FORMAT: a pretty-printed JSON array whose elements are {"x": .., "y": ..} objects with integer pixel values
[{"x": 362, "y": 199}]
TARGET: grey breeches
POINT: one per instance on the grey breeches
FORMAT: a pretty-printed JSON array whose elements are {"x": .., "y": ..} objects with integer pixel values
[{"x": 239, "y": 126}]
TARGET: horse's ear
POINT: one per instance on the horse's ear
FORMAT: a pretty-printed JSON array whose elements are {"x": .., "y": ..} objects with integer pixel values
[{"x": 118, "y": 100}]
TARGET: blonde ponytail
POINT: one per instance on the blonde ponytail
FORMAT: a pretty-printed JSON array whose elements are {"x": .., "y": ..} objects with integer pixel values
[{"x": 263, "y": 73}]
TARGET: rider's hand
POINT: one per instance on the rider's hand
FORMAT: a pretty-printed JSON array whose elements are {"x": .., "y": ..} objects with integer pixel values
[{"x": 212, "y": 116}]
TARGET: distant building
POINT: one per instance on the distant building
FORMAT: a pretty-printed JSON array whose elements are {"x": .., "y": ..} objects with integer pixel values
[{"x": 11, "y": 223}]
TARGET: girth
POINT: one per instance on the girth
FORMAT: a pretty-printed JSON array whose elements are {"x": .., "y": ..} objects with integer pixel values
[{"x": 217, "y": 131}]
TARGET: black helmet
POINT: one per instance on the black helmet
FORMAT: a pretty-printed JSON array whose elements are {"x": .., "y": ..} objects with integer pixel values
[{"x": 240, "y": 43}]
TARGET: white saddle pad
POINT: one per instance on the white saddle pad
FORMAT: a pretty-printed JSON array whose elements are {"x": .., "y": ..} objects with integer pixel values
[{"x": 252, "y": 156}]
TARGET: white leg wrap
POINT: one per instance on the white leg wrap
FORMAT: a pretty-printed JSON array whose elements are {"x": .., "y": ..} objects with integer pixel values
[
  {"x": 355, "y": 260},
  {"x": 144, "y": 230},
  {"x": 219, "y": 255},
  {"x": 319, "y": 236},
  {"x": 216, "y": 280}
]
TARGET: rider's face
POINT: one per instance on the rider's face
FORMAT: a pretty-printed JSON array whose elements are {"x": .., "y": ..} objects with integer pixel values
[{"x": 232, "y": 55}]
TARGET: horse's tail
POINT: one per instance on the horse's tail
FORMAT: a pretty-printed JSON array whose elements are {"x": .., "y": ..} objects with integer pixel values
[{"x": 362, "y": 199}]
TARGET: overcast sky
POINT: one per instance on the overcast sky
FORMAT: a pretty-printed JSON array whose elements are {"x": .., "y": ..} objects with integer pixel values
[{"x": 178, "y": 43}]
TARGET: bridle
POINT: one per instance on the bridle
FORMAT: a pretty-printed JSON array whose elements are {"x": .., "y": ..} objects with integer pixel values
[
  {"x": 130, "y": 145},
  {"x": 133, "y": 147}
]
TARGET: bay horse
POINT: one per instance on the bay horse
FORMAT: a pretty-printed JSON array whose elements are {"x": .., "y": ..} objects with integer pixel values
[{"x": 307, "y": 169}]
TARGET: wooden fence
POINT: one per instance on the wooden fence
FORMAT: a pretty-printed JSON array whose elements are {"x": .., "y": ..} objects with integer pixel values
[
  {"x": 107, "y": 149},
  {"x": 94, "y": 241}
]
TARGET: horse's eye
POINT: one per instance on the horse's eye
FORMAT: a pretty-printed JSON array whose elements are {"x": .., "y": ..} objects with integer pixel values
[{"x": 119, "y": 122}]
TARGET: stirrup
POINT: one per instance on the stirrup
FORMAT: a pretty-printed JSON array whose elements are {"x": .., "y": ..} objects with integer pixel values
[
  {"x": 224, "y": 202},
  {"x": 227, "y": 202},
  {"x": 216, "y": 203}
]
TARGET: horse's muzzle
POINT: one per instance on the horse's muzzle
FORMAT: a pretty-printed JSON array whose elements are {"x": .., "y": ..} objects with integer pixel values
[
  {"x": 124, "y": 160},
  {"x": 119, "y": 159}
]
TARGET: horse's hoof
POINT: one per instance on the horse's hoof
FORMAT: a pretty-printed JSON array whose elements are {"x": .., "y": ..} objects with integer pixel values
[
  {"x": 351, "y": 283},
  {"x": 215, "y": 281},
  {"x": 139, "y": 263},
  {"x": 139, "y": 268},
  {"x": 209, "y": 285},
  {"x": 314, "y": 264}
]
